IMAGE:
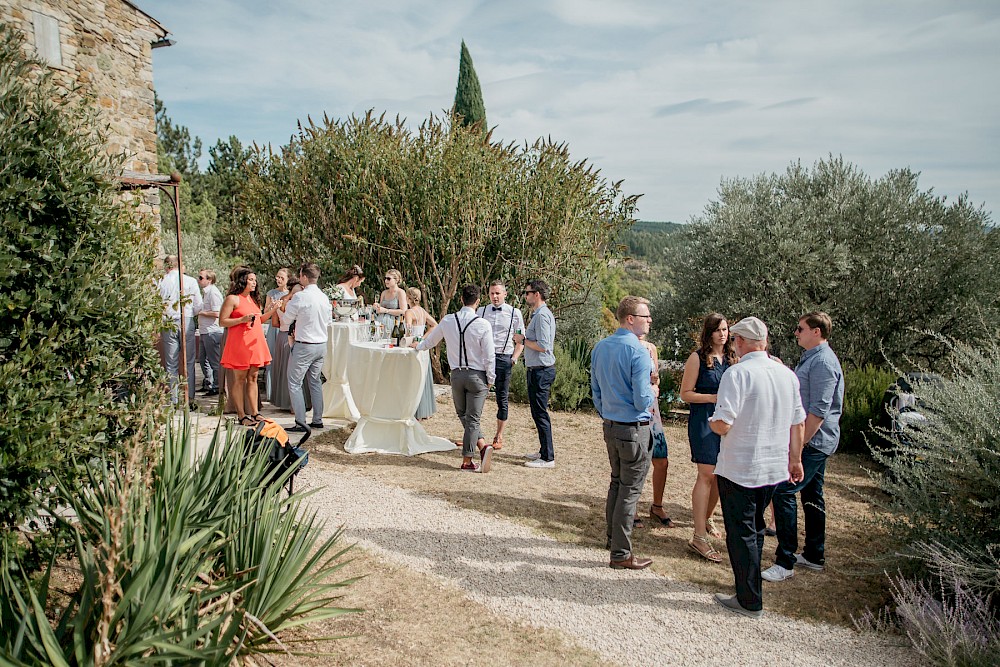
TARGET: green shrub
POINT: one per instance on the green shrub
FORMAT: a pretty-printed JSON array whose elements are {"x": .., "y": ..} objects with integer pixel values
[
  {"x": 864, "y": 390},
  {"x": 185, "y": 561},
  {"x": 670, "y": 387},
  {"x": 571, "y": 389},
  {"x": 942, "y": 479},
  {"x": 79, "y": 309}
]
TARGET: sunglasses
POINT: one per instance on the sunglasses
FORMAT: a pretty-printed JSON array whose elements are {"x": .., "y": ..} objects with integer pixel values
[
  {"x": 388, "y": 278},
  {"x": 530, "y": 291},
  {"x": 800, "y": 328}
]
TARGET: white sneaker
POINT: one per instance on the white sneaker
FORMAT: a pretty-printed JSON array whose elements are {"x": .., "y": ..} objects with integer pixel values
[
  {"x": 777, "y": 573},
  {"x": 801, "y": 560},
  {"x": 533, "y": 456},
  {"x": 539, "y": 463}
]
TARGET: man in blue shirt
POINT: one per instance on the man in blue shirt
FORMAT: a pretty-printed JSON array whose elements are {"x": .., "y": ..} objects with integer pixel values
[
  {"x": 539, "y": 342},
  {"x": 620, "y": 380},
  {"x": 821, "y": 386}
]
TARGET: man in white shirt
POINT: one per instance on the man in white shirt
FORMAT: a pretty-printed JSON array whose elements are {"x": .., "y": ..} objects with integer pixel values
[
  {"x": 176, "y": 308},
  {"x": 209, "y": 331},
  {"x": 759, "y": 415},
  {"x": 472, "y": 358},
  {"x": 506, "y": 320},
  {"x": 311, "y": 312}
]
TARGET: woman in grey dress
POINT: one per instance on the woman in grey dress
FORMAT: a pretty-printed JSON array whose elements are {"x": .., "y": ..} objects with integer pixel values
[
  {"x": 279, "y": 359},
  {"x": 281, "y": 279},
  {"x": 392, "y": 301},
  {"x": 420, "y": 321}
]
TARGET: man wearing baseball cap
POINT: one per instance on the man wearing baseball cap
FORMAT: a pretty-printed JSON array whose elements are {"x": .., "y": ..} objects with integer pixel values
[{"x": 759, "y": 415}]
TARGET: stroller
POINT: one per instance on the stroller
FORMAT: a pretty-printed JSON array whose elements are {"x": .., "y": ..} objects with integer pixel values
[{"x": 282, "y": 456}]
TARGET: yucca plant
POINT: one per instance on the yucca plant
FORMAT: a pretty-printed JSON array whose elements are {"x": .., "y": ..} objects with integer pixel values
[{"x": 190, "y": 560}]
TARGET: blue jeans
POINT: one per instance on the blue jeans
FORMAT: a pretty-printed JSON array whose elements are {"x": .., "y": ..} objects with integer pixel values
[
  {"x": 540, "y": 381},
  {"x": 813, "y": 507}
]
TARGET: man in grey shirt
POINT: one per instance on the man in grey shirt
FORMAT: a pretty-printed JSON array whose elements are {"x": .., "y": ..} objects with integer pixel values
[
  {"x": 821, "y": 386},
  {"x": 539, "y": 356}
]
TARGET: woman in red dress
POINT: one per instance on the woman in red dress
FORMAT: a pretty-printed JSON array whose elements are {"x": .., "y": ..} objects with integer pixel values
[{"x": 246, "y": 348}]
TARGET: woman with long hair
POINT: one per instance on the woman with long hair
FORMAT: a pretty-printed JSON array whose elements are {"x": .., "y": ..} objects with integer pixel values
[
  {"x": 246, "y": 348},
  {"x": 392, "y": 301},
  {"x": 350, "y": 282},
  {"x": 699, "y": 386},
  {"x": 279, "y": 363},
  {"x": 281, "y": 280},
  {"x": 420, "y": 322}
]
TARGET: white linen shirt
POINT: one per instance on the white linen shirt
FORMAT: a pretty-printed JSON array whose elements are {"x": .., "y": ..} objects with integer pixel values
[
  {"x": 505, "y": 323},
  {"x": 312, "y": 312},
  {"x": 759, "y": 399},
  {"x": 480, "y": 353},
  {"x": 211, "y": 300},
  {"x": 170, "y": 293}
]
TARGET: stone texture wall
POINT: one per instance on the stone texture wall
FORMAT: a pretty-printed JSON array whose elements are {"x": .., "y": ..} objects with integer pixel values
[{"x": 106, "y": 53}]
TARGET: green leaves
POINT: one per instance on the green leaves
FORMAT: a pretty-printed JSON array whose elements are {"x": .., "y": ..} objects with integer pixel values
[{"x": 77, "y": 308}]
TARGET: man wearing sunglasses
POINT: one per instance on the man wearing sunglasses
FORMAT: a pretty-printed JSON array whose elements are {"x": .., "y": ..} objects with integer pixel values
[
  {"x": 821, "y": 386},
  {"x": 539, "y": 356}
]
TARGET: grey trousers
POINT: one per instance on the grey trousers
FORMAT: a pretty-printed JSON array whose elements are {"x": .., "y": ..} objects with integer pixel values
[
  {"x": 306, "y": 362},
  {"x": 468, "y": 391},
  {"x": 172, "y": 358},
  {"x": 630, "y": 449},
  {"x": 210, "y": 356}
]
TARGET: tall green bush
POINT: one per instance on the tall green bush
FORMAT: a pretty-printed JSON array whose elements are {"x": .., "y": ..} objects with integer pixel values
[
  {"x": 79, "y": 309},
  {"x": 864, "y": 392}
]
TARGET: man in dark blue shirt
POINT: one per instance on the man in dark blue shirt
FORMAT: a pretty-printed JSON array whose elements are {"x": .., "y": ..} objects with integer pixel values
[
  {"x": 623, "y": 395},
  {"x": 821, "y": 386}
]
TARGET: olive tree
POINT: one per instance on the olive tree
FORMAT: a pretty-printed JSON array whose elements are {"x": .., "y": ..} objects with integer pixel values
[{"x": 885, "y": 259}]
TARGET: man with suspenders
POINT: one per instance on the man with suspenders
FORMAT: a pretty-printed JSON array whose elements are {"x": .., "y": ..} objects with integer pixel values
[
  {"x": 472, "y": 358},
  {"x": 506, "y": 320}
]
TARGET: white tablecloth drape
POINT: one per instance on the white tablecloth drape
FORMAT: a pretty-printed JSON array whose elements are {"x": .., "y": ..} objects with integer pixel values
[
  {"x": 386, "y": 384},
  {"x": 338, "y": 402}
]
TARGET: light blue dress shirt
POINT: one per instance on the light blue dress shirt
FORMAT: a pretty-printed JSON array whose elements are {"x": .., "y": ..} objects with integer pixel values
[
  {"x": 821, "y": 386},
  {"x": 620, "y": 369}
]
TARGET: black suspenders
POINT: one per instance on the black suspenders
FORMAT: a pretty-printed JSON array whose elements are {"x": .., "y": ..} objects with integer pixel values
[{"x": 463, "y": 357}]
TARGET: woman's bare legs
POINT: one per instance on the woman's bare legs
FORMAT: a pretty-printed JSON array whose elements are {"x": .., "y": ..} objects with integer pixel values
[
  {"x": 704, "y": 497},
  {"x": 659, "y": 481},
  {"x": 251, "y": 389},
  {"x": 239, "y": 391}
]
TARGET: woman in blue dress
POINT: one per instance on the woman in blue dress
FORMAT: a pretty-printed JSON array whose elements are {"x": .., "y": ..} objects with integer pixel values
[{"x": 699, "y": 386}]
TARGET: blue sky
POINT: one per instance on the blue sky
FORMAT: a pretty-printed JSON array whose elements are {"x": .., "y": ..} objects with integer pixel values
[{"x": 670, "y": 96}]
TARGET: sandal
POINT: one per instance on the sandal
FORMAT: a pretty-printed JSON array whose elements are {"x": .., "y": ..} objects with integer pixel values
[
  {"x": 498, "y": 443},
  {"x": 713, "y": 530},
  {"x": 665, "y": 520},
  {"x": 257, "y": 418},
  {"x": 710, "y": 554},
  {"x": 249, "y": 421}
]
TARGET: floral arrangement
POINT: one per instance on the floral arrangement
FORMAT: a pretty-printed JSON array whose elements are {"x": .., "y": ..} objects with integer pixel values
[{"x": 334, "y": 292}]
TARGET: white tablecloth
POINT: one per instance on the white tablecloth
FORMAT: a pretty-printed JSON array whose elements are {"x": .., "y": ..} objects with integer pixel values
[
  {"x": 386, "y": 385},
  {"x": 338, "y": 402}
]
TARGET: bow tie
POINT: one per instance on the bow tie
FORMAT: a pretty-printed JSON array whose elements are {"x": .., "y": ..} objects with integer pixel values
[{"x": 497, "y": 308}]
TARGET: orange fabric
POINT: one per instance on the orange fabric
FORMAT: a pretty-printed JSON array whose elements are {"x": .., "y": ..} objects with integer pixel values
[
  {"x": 271, "y": 429},
  {"x": 245, "y": 343}
]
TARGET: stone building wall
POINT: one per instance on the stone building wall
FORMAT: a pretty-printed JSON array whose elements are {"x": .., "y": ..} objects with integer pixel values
[{"x": 105, "y": 51}]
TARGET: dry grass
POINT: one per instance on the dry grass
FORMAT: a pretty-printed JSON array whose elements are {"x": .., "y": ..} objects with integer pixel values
[
  {"x": 414, "y": 619},
  {"x": 567, "y": 503}
]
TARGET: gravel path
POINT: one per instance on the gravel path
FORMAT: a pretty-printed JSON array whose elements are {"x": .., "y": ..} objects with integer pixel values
[{"x": 631, "y": 618}]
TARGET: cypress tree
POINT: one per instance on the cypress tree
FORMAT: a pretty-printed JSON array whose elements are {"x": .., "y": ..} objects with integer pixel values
[{"x": 468, "y": 95}]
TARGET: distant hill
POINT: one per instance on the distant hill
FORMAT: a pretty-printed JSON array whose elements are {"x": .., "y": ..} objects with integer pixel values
[{"x": 647, "y": 239}]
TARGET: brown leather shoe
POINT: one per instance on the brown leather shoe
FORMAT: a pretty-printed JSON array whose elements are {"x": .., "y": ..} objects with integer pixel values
[{"x": 631, "y": 563}]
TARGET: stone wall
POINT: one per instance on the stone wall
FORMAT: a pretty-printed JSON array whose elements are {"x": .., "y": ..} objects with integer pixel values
[{"x": 106, "y": 53}]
